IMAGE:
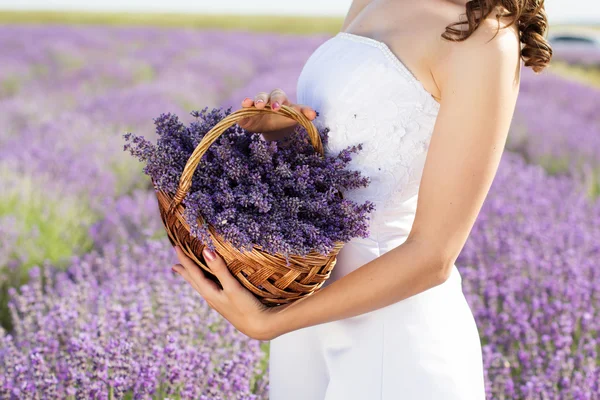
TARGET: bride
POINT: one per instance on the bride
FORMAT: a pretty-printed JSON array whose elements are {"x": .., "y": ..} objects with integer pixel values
[{"x": 431, "y": 96}]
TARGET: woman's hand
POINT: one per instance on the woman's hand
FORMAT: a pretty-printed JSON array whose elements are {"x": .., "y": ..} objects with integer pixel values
[
  {"x": 272, "y": 123},
  {"x": 234, "y": 302}
]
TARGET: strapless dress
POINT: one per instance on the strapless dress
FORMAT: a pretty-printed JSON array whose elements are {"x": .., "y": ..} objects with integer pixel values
[{"x": 426, "y": 346}]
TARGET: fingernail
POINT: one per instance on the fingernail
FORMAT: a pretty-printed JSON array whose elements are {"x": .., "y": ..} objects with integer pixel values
[
  {"x": 275, "y": 105},
  {"x": 174, "y": 270},
  {"x": 246, "y": 98},
  {"x": 208, "y": 254},
  {"x": 259, "y": 101}
]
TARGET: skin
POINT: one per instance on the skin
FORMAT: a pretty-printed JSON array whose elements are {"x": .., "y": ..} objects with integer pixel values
[{"x": 476, "y": 82}]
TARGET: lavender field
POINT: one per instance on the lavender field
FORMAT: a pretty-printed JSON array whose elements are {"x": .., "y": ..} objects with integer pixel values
[{"x": 88, "y": 304}]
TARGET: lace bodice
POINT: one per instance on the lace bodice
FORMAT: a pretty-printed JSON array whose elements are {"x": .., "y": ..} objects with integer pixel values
[{"x": 365, "y": 94}]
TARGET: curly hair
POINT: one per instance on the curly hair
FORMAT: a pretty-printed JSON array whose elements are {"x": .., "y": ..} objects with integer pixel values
[{"x": 530, "y": 17}]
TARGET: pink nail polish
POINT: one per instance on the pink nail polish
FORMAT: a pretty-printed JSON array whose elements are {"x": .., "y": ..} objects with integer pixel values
[
  {"x": 208, "y": 254},
  {"x": 275, "y": 105}
]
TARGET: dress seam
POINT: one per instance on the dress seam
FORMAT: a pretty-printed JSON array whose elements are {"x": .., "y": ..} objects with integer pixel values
[
  {"x": 399, "y": 65},
  {"x": 385, "y": 50}
]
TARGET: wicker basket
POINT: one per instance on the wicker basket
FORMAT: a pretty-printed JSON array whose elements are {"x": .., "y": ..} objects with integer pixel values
[{"x": 264, "y": 274}]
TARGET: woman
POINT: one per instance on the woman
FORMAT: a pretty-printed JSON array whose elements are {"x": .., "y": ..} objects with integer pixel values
[{"x": 431, "y": 99}]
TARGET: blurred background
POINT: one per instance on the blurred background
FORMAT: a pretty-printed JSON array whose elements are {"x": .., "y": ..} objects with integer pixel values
[{"x": 88, "y": 305}]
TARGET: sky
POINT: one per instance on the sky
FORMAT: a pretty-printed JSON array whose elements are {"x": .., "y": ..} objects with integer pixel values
[{"x": 559, "y": 11}]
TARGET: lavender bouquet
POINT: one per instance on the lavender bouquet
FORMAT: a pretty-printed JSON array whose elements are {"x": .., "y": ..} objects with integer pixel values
[{"x": 281, "y": 196}]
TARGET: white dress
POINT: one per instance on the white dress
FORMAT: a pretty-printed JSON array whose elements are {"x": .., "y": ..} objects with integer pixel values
[{"x": 423, "y": 347}]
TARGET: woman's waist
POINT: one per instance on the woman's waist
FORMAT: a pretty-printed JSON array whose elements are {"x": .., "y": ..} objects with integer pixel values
[
  {"x": 360, "y": 251},
  {"x": 387, "y": 228}
]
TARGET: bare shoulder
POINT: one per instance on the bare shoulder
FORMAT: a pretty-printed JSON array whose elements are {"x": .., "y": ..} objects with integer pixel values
[
  {"x": 489, "y": 53},
  {"x": 488, "y": 39}
]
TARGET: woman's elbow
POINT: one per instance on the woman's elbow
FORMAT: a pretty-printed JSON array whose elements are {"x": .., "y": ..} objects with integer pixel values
[
  {"x": 439, "y": 259},
  {"x": 442, "y": 271}
]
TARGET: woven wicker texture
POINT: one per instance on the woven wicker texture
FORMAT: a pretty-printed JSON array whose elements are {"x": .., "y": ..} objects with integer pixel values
[{"x": 266, "y": 275}]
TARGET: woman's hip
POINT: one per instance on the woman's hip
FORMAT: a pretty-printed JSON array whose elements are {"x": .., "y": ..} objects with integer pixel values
[{"x": 431, "y": 323}]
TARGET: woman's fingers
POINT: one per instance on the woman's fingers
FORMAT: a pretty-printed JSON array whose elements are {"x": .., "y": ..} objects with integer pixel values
[
  {"x": 192, "y": 273},
  {"x": 261, "y": 99},
  {"x": 183, "y": 271},
  {"x": 247, "y": 102},
  {"x": 218, "y": 266},
  {"x": 308, "y": 111},
  {"x": 277, "y": 97}
]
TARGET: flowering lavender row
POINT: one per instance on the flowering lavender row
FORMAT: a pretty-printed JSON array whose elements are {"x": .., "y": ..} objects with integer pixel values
[
  {"x": 531, "y": 273},
  {"x": 122, "y": 324},
  {"x": 65, "y": 103},
  {"x": 133, "y": 219},
  {"x": 67, "y": 100},
  {"x": 530, "y": 267},
  {"x": 557, "y": 125}
]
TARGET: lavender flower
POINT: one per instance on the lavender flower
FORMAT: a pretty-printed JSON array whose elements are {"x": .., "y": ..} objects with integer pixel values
[
  {"x": 284, "y": 198},
  {"x": 119, "y": 323}
]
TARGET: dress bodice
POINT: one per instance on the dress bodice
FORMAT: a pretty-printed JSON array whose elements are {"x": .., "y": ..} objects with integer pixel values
[
  {"x": 365, "y": 94},
  {"x": 425, "y": 346}
]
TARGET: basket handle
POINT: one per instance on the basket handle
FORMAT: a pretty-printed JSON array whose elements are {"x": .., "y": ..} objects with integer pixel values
[{"x": 185, "y": 182}]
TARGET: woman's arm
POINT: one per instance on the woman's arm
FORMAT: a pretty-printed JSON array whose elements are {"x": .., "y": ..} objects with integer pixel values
[{"x": 479, "y": 83}]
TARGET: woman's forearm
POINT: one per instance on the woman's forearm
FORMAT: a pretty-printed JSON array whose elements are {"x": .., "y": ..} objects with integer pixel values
[{"x": 402, "y": 272}]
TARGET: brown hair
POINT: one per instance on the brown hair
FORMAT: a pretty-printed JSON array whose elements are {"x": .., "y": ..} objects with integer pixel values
[{"x": 530, "y": 17}]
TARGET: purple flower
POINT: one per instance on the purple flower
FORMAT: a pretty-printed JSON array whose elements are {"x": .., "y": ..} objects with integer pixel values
[
  {"x": 119, "y": 321},
  {"x": 283, "y": 198}
]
